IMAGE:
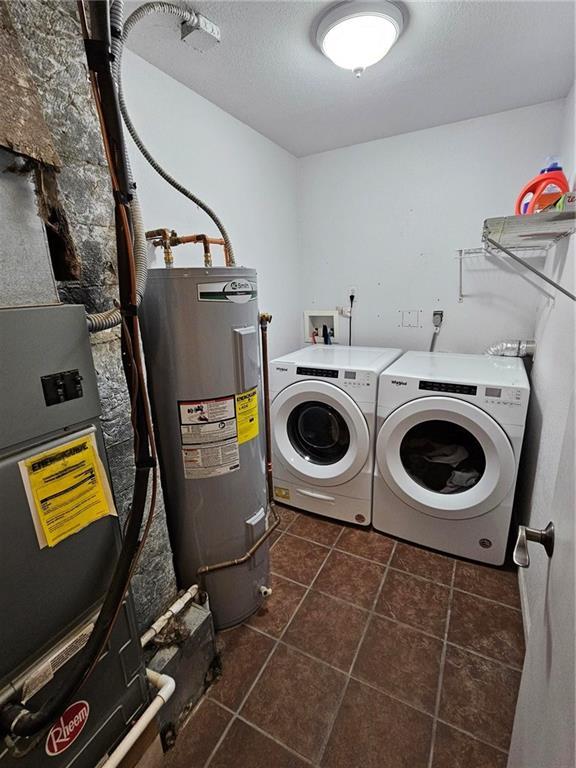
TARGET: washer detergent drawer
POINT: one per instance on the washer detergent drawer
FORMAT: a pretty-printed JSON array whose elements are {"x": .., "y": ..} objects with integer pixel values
[
  {"x": 319, "y": 432},
  {"x": 445, "y": 457}
]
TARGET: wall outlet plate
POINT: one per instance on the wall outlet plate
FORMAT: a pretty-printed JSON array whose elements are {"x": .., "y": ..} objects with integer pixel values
[{"x": 410, "y": 318}]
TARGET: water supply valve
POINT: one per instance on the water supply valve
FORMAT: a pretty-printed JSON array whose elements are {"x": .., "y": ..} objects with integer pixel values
[{"x": 437, "y": 318}]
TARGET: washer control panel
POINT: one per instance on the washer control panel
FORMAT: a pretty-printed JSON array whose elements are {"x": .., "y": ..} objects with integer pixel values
[
  {"x": 355, "y": 379},
  {"x": 328, "y": 373},
  {"x": 347, "y": 379}
]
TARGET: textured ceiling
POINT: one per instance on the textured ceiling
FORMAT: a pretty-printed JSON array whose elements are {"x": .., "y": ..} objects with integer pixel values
[{"x": 455, "y": 60}]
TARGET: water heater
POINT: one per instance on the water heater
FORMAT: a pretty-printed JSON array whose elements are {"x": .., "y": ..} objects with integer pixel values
[{"x": 200, "y": 335}]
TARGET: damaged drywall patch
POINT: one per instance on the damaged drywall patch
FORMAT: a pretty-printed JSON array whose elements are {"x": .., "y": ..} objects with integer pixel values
[{"x": 65, "y": 261}]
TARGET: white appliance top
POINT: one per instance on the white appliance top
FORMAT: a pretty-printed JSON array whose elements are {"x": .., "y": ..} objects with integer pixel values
[
  {"x": 337, "y": 356},
  {"x": 459, "y": 368}
]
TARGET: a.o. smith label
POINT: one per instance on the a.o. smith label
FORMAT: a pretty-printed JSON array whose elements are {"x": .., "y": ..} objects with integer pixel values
[{"x": 238, "y": 291}]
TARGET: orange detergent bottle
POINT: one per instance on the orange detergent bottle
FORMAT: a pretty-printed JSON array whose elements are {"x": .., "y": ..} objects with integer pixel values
[{"x": 543, "y": 190}]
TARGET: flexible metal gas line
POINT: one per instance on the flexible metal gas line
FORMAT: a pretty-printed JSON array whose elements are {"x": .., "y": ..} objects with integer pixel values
[{"x": 122, "y": 32}]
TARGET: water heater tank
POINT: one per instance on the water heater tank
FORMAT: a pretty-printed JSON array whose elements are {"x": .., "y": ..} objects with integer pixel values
[{"x": 200, "y": 335}]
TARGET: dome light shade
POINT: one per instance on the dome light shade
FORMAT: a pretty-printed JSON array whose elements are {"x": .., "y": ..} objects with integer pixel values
[{"x": 356, "y": 35}]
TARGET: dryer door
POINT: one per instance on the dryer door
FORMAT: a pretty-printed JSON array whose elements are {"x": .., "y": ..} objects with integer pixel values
[
  {"x": 445, "y": 457},
  {"x": 320, "y": 432}
]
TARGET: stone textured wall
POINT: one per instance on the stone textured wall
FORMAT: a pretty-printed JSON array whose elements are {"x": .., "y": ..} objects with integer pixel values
[{"x": 50, "y": 37}]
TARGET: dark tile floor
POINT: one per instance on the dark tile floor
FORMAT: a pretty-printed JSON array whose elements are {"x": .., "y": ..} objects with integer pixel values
[{"x": 370, "y": 653}]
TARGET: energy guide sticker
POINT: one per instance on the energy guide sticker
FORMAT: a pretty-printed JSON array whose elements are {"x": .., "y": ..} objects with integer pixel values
[
  {"x": 67, "y": 488},
  {"x": 247, "y": 415}
]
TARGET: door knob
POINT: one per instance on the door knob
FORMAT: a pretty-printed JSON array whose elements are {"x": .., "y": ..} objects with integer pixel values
[{"x": 545, "y": 537}]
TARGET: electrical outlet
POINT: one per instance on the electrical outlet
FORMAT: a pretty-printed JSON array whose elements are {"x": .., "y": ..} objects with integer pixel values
[
  {"x": 437, "y": 317},
  {"x": 352, "y": 290}
]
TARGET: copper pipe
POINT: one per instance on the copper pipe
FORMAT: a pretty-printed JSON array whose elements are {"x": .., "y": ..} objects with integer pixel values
[
  {"x": 162, "y": 238},
  {"x": 250, "y": 553},
  {"x": 204, "y": 239},
  {"x": 168, "y": 239},
  {"x": 181, "y": 240},
  {"x": 164, "y": 234},
  {"x": 265, "y": 320}
]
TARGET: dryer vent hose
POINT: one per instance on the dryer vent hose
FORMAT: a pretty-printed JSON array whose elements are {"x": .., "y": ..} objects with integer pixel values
[{"x": 512, "y": 349}]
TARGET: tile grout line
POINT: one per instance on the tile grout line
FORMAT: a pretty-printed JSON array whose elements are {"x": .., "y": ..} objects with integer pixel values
[
  {"x": 398, "y": 570},
  {"x": 292, "y": 751},
  {"x": 372, "y": 610},
  {"x": 493, "y": 659},
  {"x": 270, "y": 654},
  {"x": 400, "y": 701},
  {"x": 415, "y": 575},
  {"x": 373, "y": 687},
  {"x": 441, "y": 671},
  {"x": 375, "y": 613},
  {"x": 370, "y": 613},
  {"x": 426, "y": 578},
  {"x": 237, "y": 716},
  {"x": 473, "y": 736}
]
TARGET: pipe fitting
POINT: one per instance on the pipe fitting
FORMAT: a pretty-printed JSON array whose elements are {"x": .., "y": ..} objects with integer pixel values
[{"x": 264, "y": 591}]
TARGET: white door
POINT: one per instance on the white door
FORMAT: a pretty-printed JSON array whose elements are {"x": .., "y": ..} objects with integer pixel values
[
  {"x": 319, "y": 432},
  {"x": 445, "y": 457},
  {"x": 543, "y": 735}
]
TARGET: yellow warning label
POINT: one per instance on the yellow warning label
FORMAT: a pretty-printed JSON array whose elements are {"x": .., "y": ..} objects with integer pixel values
[
  {"x": 67, "y": 489},
  {"x": 247, "y": 415}
]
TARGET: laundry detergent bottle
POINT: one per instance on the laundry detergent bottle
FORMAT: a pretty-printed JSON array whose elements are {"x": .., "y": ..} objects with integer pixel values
[{"x": 543, "y": 190}]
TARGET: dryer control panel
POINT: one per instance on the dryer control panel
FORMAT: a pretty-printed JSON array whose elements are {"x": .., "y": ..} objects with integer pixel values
[
  {"x": 510, "y": 396},
  {"x": 446, "y": 386}
]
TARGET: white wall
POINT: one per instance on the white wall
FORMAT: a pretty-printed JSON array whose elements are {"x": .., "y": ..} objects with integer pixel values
[
  {"x": 248, "y": 180},
  {"x": 552, "y": 388},
  {"x": 545, "y": 715},
  {"x": 388, "y": 217}
]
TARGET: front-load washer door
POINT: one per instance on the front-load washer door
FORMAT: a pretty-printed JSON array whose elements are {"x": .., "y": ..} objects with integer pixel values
[
  {"x": 320, "y": 432},
  {"x": 445, "y": 457}
]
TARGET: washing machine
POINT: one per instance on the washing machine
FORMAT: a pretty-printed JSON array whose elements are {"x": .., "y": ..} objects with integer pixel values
[
  {"x": 449, "y": 436},
  {"x": 323, "y": 411}
]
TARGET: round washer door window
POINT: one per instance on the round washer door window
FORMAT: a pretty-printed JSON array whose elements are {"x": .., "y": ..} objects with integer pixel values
[
  {"x": 445, "y": 457},
  {"x": 319, "y": 432}
]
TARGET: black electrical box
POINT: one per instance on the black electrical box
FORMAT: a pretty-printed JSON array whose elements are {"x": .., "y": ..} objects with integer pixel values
[{"x": 61, "y": 387}]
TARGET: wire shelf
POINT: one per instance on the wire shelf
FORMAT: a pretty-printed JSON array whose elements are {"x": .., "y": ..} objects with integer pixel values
[{"x": 538, "y": 230}]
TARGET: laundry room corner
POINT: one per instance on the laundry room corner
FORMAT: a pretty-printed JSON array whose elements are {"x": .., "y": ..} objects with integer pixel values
[
  {"x": 405, "y": 228},
  {"x": 287, "y": 383}
]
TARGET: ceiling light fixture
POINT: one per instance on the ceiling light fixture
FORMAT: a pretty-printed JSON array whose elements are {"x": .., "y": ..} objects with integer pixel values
[{"x": 356, "y": 35}]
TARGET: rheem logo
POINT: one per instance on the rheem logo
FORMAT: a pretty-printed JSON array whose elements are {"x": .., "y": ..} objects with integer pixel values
[{"x": 67, "y": 729}]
